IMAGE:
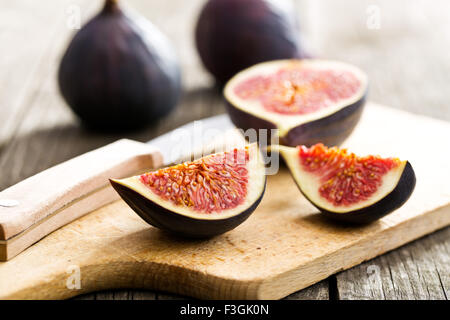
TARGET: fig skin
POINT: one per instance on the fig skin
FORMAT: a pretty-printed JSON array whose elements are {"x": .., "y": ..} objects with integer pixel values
[
  {"x": 178, "y": 224},
  {"x": 394, "y": 200},
  {"x": 364, "y": 214},
  {"x": 331, "y": 130},
  {"x": 232, "y": 35},
  {"x": 119, "y": 72}
]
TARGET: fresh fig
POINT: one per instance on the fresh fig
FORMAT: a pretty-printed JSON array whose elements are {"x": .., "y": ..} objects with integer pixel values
[
  {"x": 348, "y": 187},
  {"x": 232, "y": 35},
  {"x": 198, "y": 199},
  {"x": 308, "y": 101},
  {"x": 119, "y": 71}
]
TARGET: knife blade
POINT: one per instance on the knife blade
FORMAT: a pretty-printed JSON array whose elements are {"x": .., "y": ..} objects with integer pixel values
[{"x": 186, "y": 141}]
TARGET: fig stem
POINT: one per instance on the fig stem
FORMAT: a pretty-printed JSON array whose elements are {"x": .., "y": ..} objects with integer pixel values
[{"x": 111, "y": 6}]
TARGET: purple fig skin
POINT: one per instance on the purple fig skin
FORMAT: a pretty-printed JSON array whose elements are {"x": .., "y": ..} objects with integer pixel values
[
  {"x": 119, "y": 72},
  {"x": 394, "y": 200},
  {"x": 331, "y": 130},
  {"x": 245, "y": 121},
  {"x": 232, "y": 35},
  {"x": 178, "y": 224}
]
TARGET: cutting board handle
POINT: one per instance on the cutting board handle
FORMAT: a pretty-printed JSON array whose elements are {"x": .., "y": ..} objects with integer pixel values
[{"x": 48, "y": 200}]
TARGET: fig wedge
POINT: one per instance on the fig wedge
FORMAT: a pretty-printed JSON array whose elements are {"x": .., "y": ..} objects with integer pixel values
[
  {"x": 347, "y": 187},
  {"x": 202, "y": 198},
  {"x": 308, "y": 101}
]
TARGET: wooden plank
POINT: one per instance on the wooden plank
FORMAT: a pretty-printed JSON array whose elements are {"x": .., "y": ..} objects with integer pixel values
[
  {"x": 142, "y": 295},
  {"x": 297, "y": 247},
  {"x": 122, "y": 294},
  {"x": 318, "y": 291},
  {"x": 420, "y": 31},
  {"x": 170, "y": 296},
  {"x": 420, "y": 270},
  {"x": 397, "y": 58}
]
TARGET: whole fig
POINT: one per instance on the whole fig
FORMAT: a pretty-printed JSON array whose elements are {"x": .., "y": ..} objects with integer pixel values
[
  {"x": 119, "y": 71},
  {"x": 232, "y": 35}
]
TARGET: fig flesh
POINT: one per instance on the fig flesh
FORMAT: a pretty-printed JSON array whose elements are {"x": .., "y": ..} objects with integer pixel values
[
  {"x": 198, "y": 199},
  {"x": 119, "y": 72},
  {"x": 308, "y": 101},
  {"x": 232, "y": 35},
  {"x": 348, "y": 187}
]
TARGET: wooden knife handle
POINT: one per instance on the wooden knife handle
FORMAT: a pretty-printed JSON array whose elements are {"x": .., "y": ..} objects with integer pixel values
[{"x": 63, "y": 193}]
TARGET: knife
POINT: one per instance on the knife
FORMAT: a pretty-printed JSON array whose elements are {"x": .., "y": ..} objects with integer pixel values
[{"x": 39, "y": 205}]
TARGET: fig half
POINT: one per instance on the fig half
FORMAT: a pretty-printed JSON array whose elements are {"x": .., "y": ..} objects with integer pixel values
[
  {"x": 199, "y": 199},
  {"x": 308, "y": 101},
  {"x": 348, "y": 187}
]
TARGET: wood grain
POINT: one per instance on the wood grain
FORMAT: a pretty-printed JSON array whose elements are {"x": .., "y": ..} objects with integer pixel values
[
  {"x": 419, "y": 270},
  {"x": 406, "y": 59},
  {"x": 286, "y": 245}
]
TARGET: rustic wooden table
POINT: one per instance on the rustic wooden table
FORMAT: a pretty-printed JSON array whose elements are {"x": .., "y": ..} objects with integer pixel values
[{"x": 405, "y": 53}]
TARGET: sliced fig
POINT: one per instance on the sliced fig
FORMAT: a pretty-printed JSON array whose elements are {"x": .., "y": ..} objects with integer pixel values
[
  {"x": 348, "y": 187},
  {"x": 309, "y": 100},
  {"x": 203, "y": 198}
]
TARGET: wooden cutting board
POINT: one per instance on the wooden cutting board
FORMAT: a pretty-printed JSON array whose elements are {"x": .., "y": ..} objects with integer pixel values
[{"x": 286, "y": 245}]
